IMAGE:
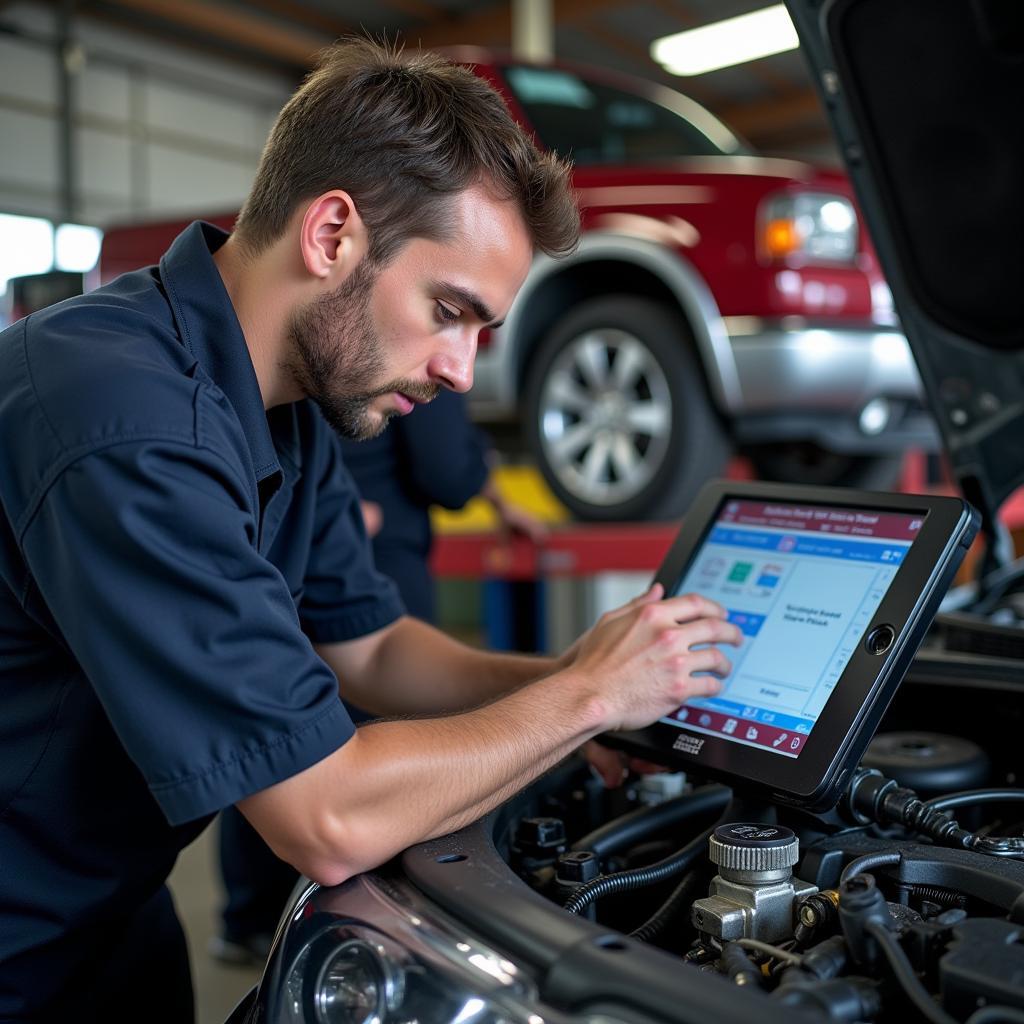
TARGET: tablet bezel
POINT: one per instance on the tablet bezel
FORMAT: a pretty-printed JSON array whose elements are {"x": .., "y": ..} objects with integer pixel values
[{"x": 862, "y": 693}]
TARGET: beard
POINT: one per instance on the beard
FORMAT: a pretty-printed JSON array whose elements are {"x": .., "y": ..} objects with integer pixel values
[{"x": 337, "y": 358}]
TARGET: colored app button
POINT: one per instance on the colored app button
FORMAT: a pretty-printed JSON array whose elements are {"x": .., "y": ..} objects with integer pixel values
[{"x": 740, "y": 571}]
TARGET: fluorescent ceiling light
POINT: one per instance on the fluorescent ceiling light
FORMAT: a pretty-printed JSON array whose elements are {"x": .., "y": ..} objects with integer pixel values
[{"x": 724, "y": 43}]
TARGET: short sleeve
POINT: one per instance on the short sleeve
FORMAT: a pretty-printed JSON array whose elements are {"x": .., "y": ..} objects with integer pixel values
[
  {"x": 144, "y": 552},
  {"x": 344, "y": 595}
]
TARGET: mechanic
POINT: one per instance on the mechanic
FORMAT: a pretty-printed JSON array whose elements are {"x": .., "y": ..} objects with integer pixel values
[
  {"x": 185, "y": 575},
  {"x": 434, "y": 455}
]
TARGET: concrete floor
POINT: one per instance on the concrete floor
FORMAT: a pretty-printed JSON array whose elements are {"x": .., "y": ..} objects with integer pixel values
[{"x": 198, "y": 895}]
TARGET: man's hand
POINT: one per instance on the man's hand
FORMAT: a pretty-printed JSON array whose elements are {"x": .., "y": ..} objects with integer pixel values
[
  {"x": 613, "y": 765},
  {"x": 640, "y": 658},
  {"x": 373, "y": 517},
  {"x": 512, "y": 518}
]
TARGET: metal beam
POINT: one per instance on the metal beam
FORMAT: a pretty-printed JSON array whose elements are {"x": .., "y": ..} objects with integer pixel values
[
  {"x": 533, "y": 30},
  {"x": 493, "y": 26},
  {"x": 289, "y": 45}
]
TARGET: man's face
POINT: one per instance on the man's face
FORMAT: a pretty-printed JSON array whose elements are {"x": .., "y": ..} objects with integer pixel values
[{"x": 389, "y": 338}]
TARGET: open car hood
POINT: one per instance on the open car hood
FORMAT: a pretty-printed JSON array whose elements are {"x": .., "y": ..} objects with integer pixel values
[{"x": 924, "y": 97}]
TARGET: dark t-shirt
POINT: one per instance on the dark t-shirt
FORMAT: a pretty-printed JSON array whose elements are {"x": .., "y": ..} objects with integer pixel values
[{"x": 169, "y": 553}]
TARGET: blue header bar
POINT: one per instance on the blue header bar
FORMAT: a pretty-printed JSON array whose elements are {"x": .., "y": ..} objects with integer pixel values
[{"x": 888, "y": 553}]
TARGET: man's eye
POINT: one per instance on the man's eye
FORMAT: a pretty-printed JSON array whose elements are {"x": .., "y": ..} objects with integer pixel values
[{"x": 447, "y": 313}]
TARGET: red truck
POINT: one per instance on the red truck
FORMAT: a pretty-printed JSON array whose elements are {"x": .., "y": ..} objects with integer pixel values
[{"x": 718, "y": 302}]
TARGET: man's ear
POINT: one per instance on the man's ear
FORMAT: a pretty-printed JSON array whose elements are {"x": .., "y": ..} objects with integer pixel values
[{"x": 332, "y": 237}]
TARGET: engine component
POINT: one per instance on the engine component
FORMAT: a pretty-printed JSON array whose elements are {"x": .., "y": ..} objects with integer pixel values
[
  {"x": 827, "y": 959},
  {"x": 636, "y": 878},
  {"x": 985, "y": 964},
  {"x": 577, "y": 867},
  {"x": 930, "y": 763},
  {"x": 538, "y": 843},
  {"x": 738, "y": 965},
  {"x": 839, "y": 1000},
  {"x": 681, "y": 896},
  {"x": 655, "y": 789},
  {"x": 651, "y": 820},
  {"x": 818, "y": 914},
  {"x": 860, "y": 902},
  {"x": 754, "y": 894}
]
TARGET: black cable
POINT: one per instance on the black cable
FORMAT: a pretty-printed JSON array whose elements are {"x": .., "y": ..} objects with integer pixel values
[
  {"x": 906, "y": 976},
  {"x": 645, "y": 821},
  {"x": 868, "y": 862},
  {"x": 636, "y": 878},
  {"x": 680, "y": 896},
  {"x": 974, "y": 796},
  {"x": 996, "y": 1015}
]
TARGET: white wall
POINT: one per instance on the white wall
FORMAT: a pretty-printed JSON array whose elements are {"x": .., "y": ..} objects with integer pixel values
[{"x": 158, "y": 130}]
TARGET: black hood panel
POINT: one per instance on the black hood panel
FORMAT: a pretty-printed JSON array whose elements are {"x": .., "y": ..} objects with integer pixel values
[{"x": 926, "y": 98}]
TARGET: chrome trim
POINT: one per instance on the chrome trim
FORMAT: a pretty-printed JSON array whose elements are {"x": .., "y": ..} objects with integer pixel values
[
  {"x": 818, "y": 368},
  {"x": 494, "y": 394}
]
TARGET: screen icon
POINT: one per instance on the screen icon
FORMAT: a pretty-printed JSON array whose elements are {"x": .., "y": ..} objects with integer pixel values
[
  {"x": 682, "y": 714},
  {"x": 740, "y": 571},
  {"x": 751, "y": 733},
  {"x": 730, "y": 726},
  {"x": 705, "y": 720},
  {"x": 794, "y": 743},
  {"x": 780, "y": 739}
]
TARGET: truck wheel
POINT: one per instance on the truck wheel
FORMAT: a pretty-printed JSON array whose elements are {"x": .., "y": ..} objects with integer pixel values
[
  {"x": 802, "y": 462},
  {"x": 618, "y": 412}
]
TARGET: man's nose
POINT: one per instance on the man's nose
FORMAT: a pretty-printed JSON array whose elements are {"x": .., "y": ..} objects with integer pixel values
[{"x": 453, "y": 367}]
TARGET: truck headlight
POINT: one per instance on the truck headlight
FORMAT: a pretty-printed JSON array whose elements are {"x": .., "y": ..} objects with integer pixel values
[
  {"x": 813, "y": 226},
  {"x": 372, "y": 961},
  {"x": 354, "y": 986}
]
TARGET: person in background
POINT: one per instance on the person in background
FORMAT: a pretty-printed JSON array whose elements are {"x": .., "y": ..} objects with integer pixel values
[{"x": 433, "y": 456}]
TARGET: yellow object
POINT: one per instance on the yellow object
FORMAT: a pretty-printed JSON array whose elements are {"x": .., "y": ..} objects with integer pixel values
[{"x": 520, "y": 485}]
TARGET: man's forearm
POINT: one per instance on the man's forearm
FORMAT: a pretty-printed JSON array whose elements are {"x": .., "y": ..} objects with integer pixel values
[
  {"x": 417, "y": 670},
  {"x": 371, "y": 798},
  {"x": 395, "y": 783}
]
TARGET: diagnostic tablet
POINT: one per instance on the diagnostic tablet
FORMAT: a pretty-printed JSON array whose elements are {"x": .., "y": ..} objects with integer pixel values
[{"x": 833, "y": 591}]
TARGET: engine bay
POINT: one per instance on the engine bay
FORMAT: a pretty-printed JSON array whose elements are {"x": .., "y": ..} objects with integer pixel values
[{"x": 905, "y": 902}]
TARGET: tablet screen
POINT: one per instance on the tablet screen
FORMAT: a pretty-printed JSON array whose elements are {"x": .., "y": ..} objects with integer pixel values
[{"x": 802, "y": 582}]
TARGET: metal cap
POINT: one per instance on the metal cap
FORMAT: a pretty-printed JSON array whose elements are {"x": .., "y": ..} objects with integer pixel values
[{"x": 749, "y": 846}]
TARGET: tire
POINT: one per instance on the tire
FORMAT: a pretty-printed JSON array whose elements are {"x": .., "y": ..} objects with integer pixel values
[
  {"x": 618, "y": 413},
  {"x": 802, "y": 462}
]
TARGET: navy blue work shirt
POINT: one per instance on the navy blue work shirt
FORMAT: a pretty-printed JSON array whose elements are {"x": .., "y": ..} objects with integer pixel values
[{"x": 169, "y": 552}]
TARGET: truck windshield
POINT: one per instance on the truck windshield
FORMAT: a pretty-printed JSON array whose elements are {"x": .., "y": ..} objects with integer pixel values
[{"x": 595, "y": 123}]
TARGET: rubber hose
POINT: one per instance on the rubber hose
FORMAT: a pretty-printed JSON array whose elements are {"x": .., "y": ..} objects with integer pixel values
[{"x": 645, "y": 821}]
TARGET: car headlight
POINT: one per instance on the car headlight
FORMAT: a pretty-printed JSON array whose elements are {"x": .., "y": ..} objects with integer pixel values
[
  {"x": 378, "y": 963},
  {"x": 814, "y": 226}
]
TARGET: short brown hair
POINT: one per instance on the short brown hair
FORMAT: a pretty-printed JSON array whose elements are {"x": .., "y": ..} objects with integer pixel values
[{"x": 403, "y": 134}]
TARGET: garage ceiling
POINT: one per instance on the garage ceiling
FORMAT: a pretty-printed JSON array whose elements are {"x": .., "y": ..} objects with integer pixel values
[{"x": 770, "y": 101}]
